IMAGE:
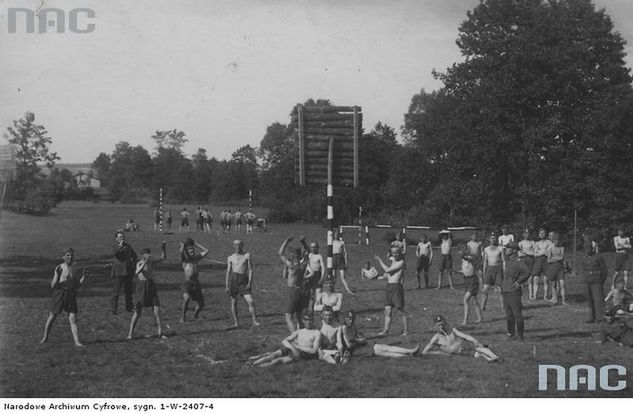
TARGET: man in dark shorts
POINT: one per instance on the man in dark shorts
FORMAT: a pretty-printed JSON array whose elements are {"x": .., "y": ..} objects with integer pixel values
[
  {"x": 492, "y": 266},
  {"x": 146, "y": 293},
  {"x": 471, "y": 284},
  {"x": 295, "y": 264},
  {"x": 622, "y": 246},
  {"x": 395, "y": 291},
  {"x": 446, "y": 258},
  {"x": 157, "y": 219},
  {"x": 169, "y": 220},
  {"x": 301, "y": 345},
  {"x": 515, "y": 273},
  {"x": 123, "y": 269},
  {"x": 184, "y": 220},
  {"x": 314, "y": 272},
  {"x": 191, "y": 289},
  {"x": 250, "y": 220},
  {"x": 239, "y": 279},
  {"x": 65, "y": 284}
]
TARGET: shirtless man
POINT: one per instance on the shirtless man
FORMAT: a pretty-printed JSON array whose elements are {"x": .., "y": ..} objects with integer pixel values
[
  {"x": 556, "y": 269},
  {"x": 493, "y": 273},
  {"x": 294, "y": 268},
  {"x": 239, "y": 278},
  {"x": 471, "y": 285},
  {"x": 424, "y": 253},
  {"x": 505, "y": 238},
  {"x": 539, "y": 268},
  {"x": 331, "y": 345},
  {"x": 622, "y": 246},
  {"x": 526, "y": 255},
  {"x": 301, "y": 345},
  {"x": 450, "y": 341},
  {"x": 250, "y": 220},
  {"x": 146, "y": 293},
  {"x": 446, "y": 263},
  {"x": 399, "y": 242},
  {"x": 351, "y": 337},
  {"x": 339, "y": 259},
  {"x": 191, "y": 287},
  {"x": 328, "y": 298},
  {"x": 395, "y": 290},
  {"x": 475, "y": 251},
  {"x": 238, "y": 220},
  {"x": 184, "y": 220},
  {"x": 314, "y": 272}
]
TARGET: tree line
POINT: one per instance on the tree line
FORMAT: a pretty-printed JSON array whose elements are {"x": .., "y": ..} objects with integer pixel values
[{"x": 534, "y": 124}]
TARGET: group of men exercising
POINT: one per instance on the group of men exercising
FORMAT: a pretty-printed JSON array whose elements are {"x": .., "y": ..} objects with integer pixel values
[
  {"x": 204, "y": 220},
  {"x": 504, "y": 264}
]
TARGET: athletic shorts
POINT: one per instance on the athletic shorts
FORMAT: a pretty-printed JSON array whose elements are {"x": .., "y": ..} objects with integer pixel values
[
  {"x": 184, "y": 222},
  {"x": 193, "y": 289},
  {"x": 395, "y": 296},
  {"x": 529, "y": 263},
  {"x": 446, "y": 262},
  {"x": 423, "y": 264},
  {"x": 621, "y": 262},
  {"x": 302, "y": 355},
  {"x": 296, "y": 300},
  {"x": 338, "y": 262},
  {"x": 145, "y": 295},
  {"x": 555, "y": 271},
  {"x": 313, "y": 282},
  {"x": 64, "y": 300},
  {"x": 540, "y": 266},
  {"x": 157, "y": 219},
  {"x": 493, "y": 275},
  {"x": 238, "y": 285},
  {"x": 471, "y": 285}
]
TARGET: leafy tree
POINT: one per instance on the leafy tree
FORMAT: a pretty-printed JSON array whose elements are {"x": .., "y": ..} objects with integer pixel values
[
  {"x": 536, "y": 105},
  {"x": 130, "y": 172},
  {"x": 170, "y": 139},
  {"x": 32, "y": 148},
  {"x": 101, "y": 166}
]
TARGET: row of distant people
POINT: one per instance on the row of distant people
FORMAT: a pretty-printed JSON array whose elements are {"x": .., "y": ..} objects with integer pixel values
[{"x": 204, "y": 220}]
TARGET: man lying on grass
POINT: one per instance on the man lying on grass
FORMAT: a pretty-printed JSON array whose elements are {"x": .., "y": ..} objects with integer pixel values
[
  {"x": 302, "y": 344},
  {"x": 450, "y": 341}
]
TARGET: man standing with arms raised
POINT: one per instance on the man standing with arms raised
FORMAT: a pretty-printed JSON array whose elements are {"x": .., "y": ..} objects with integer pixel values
[
  {"x": 123, "y": 271},
  {"x": 294, "y": 267},
  {"x": 239, "y": 278}
]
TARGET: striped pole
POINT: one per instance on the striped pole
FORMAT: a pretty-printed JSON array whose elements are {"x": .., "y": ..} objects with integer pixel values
[
  {"x": 367, "y": 235},
  {"x": 250, "y": 200},
  {"x": 330, "y": 208},
  {"x": 160, "y": 210},
  {"x": 360, "y": 226}
]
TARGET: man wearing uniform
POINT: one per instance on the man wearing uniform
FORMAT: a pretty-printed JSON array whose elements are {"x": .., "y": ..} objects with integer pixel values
[
  {"x": 294, "y": 268},
  {"x": 239, "y": 279},
  {"x": 595, "y": 274},
  {"x": 622, "y": 246},
  {"x": 515, "y": 273},
  {"x": 65, "y": 284},
  {"x": 191, "y": 289},
  {"x": 123, "y": 269},
  {"x": 493, "y": 259},
  {"x": 146, "y": 294},
  {"x": 395, "y": 291},
  {"x": 541, "y": 247},
  {"x": 424, "y": 253}
]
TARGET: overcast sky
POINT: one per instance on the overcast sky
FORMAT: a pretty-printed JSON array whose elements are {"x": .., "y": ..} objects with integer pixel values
[{"x": 222, "y": 71}]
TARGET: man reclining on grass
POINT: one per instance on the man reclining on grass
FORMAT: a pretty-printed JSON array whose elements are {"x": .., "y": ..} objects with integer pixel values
[
  {"x": 450, "y": 341},
  {"x": 614, "y": 328},
  {"x": 302, "y": 344}
]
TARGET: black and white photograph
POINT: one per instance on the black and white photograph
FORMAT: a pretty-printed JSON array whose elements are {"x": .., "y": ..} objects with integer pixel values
[{"x": 207, "y": 202}]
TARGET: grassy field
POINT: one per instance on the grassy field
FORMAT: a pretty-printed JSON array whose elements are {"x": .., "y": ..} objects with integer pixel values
[{"x": 184, "y": 365}]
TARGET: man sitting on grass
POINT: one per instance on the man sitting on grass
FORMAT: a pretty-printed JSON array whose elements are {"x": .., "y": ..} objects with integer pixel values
[
  {"x": 331, "y": 343},
  {"x": 302, "y": 344},
  {"x": 450, "y": 341},
  {"x": 615, "y": 329}
]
